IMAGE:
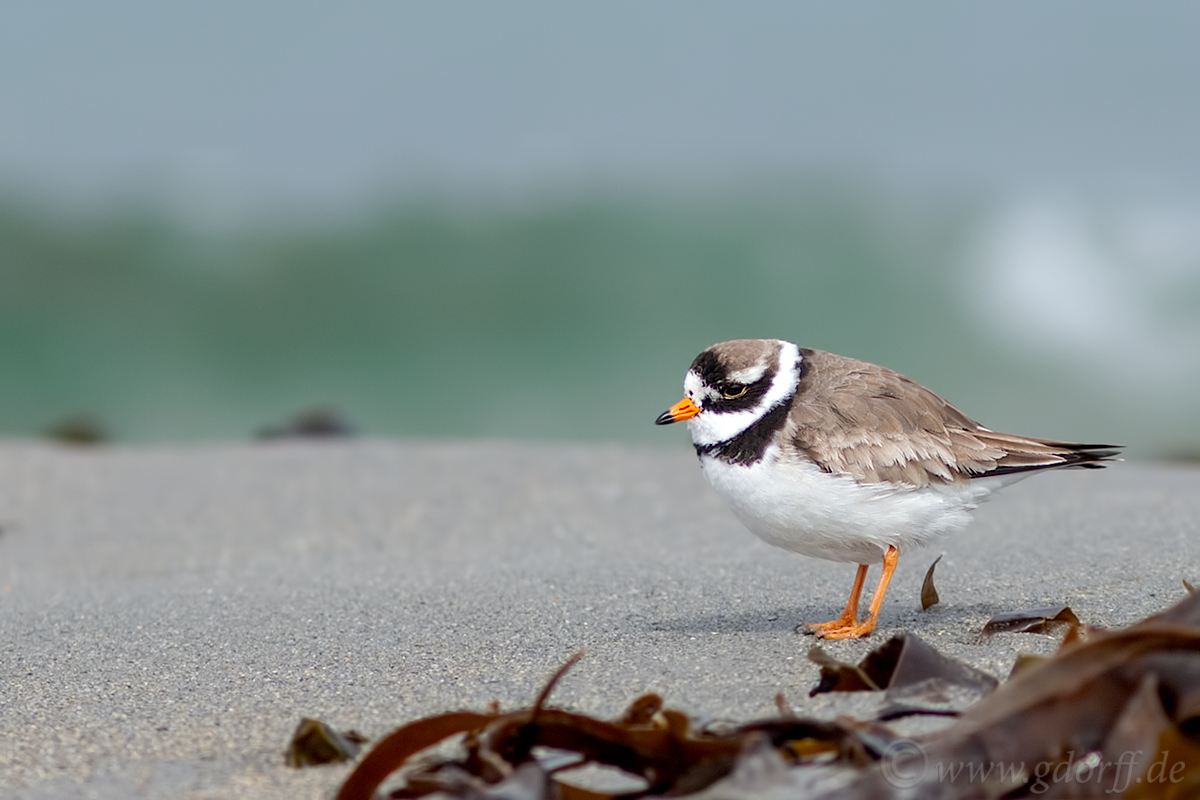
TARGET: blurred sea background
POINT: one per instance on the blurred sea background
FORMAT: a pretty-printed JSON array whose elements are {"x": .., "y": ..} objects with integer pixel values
[{"x": 523, "y": 220}]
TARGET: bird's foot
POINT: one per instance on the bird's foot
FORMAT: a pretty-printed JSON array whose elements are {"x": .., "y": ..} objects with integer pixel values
[
  {"x": 820, "y": 628},
  {"x": 849, "y": 631}
]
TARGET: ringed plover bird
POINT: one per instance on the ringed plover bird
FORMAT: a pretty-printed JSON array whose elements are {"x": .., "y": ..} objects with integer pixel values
[{"x": 847, "y": 461}]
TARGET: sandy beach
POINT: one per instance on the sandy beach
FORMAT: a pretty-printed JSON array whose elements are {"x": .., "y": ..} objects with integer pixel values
[{"x": 169, "y": 615}]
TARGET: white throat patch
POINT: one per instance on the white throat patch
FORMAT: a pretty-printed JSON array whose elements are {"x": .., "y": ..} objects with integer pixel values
[{"x": 710, "y": 427}]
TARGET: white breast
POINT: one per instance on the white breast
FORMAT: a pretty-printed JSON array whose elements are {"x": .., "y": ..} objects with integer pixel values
[{"x": 794, "y": 505}]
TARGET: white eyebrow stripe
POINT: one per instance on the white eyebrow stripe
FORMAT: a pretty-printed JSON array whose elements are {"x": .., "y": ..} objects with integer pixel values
[{"x": 751, "y": 374}]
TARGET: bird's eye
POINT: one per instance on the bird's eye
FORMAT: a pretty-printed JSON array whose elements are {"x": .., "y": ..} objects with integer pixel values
[{"x": 734, "y": 390}]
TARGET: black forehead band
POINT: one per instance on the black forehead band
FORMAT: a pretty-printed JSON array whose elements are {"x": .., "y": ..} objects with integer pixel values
[
  {"x": 709, "y": 368},
  {"x": 711, "y": 371}
]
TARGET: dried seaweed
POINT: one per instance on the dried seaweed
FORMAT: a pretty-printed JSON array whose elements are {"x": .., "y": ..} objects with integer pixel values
[
  {"x": 1049, "y": 620},
  {"x": 1116, "y": 714},
  {"x": 906, "y": 666},
  {"x": 929, "y": 595},
  {"x": 315, "y": 743},
  {"x": 1068, "y": 725},
  {"x": 841, "y": 676},
  {"x": 655, "y": 744}
]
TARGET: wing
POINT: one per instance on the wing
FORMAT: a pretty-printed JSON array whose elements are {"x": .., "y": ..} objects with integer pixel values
[{"x": 876, "y": 425}]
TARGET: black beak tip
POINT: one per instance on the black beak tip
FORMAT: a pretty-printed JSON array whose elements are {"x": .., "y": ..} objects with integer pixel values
[{"x": 664, "y": 418}]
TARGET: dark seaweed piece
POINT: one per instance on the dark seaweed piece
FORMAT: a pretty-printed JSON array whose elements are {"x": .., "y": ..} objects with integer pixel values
[
  {"x": 839, "y": 676},
  {"x": 929, "y": 595},
  {"x": 907, "y": 667},
  {"x": 314, "y": 423},
  {"x": 1048, "y": 620},
  {"x": 82, "y": 430},
  {"x": 314, "y": 743}
]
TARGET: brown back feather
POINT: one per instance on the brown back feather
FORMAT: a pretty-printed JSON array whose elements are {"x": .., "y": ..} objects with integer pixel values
[{"x": 876, "y": 425}]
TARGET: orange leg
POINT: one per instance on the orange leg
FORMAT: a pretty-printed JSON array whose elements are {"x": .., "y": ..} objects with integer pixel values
[
  {"x": 849, "y": 616},
  {"x": 853, "y": 631}
]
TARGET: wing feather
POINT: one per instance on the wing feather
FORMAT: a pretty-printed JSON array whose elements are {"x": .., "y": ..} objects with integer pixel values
[{"x": 876, "y": 425}]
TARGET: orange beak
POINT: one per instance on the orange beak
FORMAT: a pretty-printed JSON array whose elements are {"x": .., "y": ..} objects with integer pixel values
[{"x": 684, "y": 409}]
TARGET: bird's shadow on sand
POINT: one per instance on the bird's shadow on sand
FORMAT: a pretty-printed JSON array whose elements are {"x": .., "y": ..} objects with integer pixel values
[
  {"x": 963, "y": 621},
  {"x": 781, "y": 620}
]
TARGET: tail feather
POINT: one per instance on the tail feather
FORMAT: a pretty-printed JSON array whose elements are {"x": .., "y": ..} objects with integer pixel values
[{"x": 1023, "y": 454}]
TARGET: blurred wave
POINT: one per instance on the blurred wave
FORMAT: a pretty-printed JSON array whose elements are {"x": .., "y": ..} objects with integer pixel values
[
  {"x": 1114, "y": 290},
  {"x": 576, "y": 316}
]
